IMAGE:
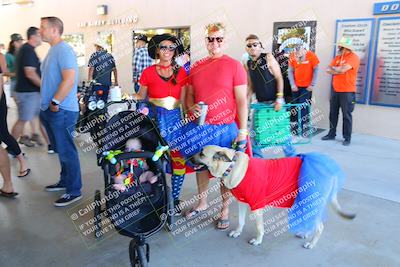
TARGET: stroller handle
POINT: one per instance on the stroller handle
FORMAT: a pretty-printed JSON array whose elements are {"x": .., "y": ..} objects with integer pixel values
[
  {"x": 129, "y": 155},
  {"x": 130, "y": 102},
  {"x": 110, "y": 103}
]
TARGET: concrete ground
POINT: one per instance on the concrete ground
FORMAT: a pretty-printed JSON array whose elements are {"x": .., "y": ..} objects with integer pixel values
[{"x": 35, "y": 233}]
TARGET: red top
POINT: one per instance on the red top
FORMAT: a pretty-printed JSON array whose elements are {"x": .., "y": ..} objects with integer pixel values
[
  {"x": 269, "y": 182},
  {"x": 213, "y": 82},
  {"x": 159, "y": 88}
]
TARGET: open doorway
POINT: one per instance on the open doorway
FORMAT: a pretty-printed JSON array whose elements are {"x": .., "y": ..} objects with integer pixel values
[{"x": 108, "y": 39}]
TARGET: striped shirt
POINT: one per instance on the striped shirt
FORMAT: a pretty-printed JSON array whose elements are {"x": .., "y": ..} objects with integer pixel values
[{"x": 141, "y": 60}]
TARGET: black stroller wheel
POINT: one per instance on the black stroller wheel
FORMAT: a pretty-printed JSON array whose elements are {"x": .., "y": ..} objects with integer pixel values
[
  {"x": 97, "y": 214},
  {"x": 138, "y": 255}
]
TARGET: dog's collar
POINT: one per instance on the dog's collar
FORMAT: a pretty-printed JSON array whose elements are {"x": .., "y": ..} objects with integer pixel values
[{"x": 228, "y": 171}]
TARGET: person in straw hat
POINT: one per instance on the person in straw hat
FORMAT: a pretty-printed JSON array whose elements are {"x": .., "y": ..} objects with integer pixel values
[{"x": 344, "y": 68}]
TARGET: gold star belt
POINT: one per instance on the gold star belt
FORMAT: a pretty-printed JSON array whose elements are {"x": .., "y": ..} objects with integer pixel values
[{"x": 168, "y": 102}]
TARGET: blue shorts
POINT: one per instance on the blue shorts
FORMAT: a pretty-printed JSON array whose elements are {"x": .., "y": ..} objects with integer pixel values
[
  {"x": 28, "y": 105},
  {"x": 195, "y": 137},
  {"x": 13, "y": 84}
]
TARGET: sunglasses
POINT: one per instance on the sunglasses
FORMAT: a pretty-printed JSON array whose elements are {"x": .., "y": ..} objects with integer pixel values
[
  {"x": 212, "y": 39},
  {"x": 167, "y": 47},
  {"x": 253, "y": 45}
]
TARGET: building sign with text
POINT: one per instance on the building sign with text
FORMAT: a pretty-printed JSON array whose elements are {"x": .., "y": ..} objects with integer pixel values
[
  {"x": 386, "y": 72},
  {"x": 387, "y": 8},
  {"x": 110, "y": 22},
  {"x": 361, "y": 32}
]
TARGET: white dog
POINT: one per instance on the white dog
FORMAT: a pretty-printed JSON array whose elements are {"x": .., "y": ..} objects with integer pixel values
[{"x": 280, "y": 183}]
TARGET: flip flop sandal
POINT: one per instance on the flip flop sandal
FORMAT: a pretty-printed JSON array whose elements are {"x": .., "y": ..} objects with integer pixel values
[
  {"x": 8, "y": 195},
  {"x": 221, "y": 222},
  {"x": 194, "y": 213},
  {"x": 24, "y": 173}
]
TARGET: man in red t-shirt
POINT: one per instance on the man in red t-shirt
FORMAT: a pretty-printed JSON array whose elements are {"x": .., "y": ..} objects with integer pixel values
[
  {"x": 344, "y": 68},
  {"x": 221, "y": 82}
]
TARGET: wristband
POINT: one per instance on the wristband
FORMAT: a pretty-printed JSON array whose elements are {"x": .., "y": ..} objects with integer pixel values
[
  {"x": 243, "y": 131},
  {"x": 280, "y": 100},
  {"x": 279, "y": 94}
]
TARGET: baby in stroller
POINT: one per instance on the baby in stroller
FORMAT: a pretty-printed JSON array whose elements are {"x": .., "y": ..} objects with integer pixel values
[
  {"x": 124, "y": 177},
  {"x": 138, "y": 200}
]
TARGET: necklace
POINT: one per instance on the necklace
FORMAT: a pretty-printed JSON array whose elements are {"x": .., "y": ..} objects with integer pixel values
[
  {"x": 164, "y": 70},
  {"x": 164, "y": 67},
  {"x": 254, "y": 64}
]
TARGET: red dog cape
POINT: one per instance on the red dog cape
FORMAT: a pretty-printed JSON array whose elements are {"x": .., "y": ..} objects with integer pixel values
[
  {"x": 272, "y": 182},
  {"x": 305, "y": 184}
]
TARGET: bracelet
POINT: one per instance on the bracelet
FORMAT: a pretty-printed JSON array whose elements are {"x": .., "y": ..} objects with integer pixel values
[
  {"x": 244, "y": 131},
  {"x": 279, "y": 94},
  {"x": 280, "y": 100}
]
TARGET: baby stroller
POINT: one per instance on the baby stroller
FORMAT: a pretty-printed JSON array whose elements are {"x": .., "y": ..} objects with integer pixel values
[{"x": 143, "y": 208}]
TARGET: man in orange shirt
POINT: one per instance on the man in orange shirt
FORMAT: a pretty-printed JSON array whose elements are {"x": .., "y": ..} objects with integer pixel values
[
  {"x": 302, "y": 74},
  {"x": 344, "y": 68}
]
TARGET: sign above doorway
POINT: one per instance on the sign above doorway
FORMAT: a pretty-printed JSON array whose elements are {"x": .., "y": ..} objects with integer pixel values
[{"x": 117, "y": 21}]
